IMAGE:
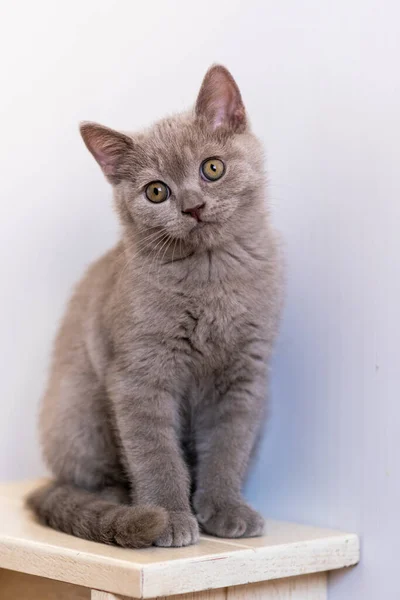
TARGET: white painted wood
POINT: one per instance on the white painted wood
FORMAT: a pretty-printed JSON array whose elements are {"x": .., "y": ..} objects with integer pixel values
[
  {"x": 287, "y": 550},
  {"x": 305, "y": 587},
  {"x": 283, "y": 553}
]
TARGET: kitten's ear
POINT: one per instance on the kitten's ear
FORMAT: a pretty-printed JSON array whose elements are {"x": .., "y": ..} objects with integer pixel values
[
  {"x": 220, "y": 102},
  {"x": 110, "y": 148}
]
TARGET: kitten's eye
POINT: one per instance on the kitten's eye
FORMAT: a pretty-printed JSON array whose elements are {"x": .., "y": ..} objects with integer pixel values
[
  {"x": 157, "y": 191},
  {"x": 212, "y": 169}
]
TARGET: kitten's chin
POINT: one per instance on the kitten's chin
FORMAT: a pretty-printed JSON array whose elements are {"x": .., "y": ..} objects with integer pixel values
[{"x": 207, "y": 235}]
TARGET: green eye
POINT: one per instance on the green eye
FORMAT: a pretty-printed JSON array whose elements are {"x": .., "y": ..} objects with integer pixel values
[
  {"x": 157, "y": 191},
  {"x": 212, "y": 169}
]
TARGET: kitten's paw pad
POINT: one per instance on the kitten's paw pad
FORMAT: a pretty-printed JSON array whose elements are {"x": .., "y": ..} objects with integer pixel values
[
  {"x": 231, "y": 521},
  {"x": 182, "y": 530}
]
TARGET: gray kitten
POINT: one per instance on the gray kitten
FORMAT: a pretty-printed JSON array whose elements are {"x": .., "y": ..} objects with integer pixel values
[{"x": 160, "y": 369}]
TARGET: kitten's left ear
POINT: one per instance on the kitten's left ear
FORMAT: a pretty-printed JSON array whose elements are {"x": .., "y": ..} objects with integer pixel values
[{"x": 220, "y": 102}]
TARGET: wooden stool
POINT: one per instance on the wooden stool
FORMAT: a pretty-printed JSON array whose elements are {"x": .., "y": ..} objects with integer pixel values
[{"x": 289, "y": 563}]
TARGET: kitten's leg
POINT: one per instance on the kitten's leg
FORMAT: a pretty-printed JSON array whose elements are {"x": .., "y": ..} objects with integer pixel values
[
  {"x": 77, "y": 432},
  {"x": 90, "y": 488},
  {"x": 147, "y": 419},
  {"x": 227, "y": 431},
  {"x": 115, "y": 493}
]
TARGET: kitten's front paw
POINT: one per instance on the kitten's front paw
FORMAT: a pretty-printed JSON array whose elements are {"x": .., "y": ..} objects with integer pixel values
[
  {"x": 182, "y": 530},
  {"x": 231, "y": 521}
]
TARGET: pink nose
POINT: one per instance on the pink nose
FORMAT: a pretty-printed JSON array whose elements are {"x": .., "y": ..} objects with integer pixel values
[{"x": 194, "y": 211}]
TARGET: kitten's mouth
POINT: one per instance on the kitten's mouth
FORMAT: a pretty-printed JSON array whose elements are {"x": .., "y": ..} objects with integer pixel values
[{"x": 200, "y": 224}]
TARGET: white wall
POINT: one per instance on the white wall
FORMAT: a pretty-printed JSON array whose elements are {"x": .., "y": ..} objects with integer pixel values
[{"x": 321, "y": 82}]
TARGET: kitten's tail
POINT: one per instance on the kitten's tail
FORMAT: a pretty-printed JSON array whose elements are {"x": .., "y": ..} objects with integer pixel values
[{"x": 84, "y": 514}]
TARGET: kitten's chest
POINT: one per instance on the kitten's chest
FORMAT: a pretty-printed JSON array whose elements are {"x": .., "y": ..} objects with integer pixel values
[{"x": 214, "y": 323}]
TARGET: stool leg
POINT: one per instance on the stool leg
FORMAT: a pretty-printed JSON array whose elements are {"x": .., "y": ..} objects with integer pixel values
[
  {"x": 97, "y": 595},
  {"x": 208, "y": 595},
  {"x": 22, "y": 586},
  {"x": 219, "y": 594},
  {"x": 304, "y": 587}
]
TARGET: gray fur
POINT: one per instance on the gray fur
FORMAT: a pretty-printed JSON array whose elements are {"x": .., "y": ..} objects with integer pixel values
[{"x": 160, "y": 369}]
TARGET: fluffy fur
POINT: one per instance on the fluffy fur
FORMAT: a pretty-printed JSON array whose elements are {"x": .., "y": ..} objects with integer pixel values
[{"x": 159, "y": 376}]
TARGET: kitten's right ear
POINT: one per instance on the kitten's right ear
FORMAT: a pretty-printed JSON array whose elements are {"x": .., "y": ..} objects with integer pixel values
[{"x": 110, "y": 148}]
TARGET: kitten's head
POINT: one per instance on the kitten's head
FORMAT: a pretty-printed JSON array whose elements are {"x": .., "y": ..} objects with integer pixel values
[{"x": 196, "y": 177}]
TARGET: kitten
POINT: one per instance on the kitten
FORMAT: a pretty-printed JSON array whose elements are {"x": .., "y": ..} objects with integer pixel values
[{"x": 160, "y": 369}]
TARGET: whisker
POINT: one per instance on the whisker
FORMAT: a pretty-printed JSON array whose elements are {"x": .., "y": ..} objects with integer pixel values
[
  {"x": 152, "y": 236},
  {"x": 173, "y": 251},
  {"x": 140, "y": 248},
  {"x": 158, "y": 262},
  {"x": 154, "y": 259},
  {"x": 165, "y": 245}
]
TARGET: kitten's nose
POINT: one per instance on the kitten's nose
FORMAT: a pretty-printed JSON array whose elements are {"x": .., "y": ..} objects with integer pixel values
[
  {"x": 192, "y": 205},
  {"x": 194, "y": 211}
]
